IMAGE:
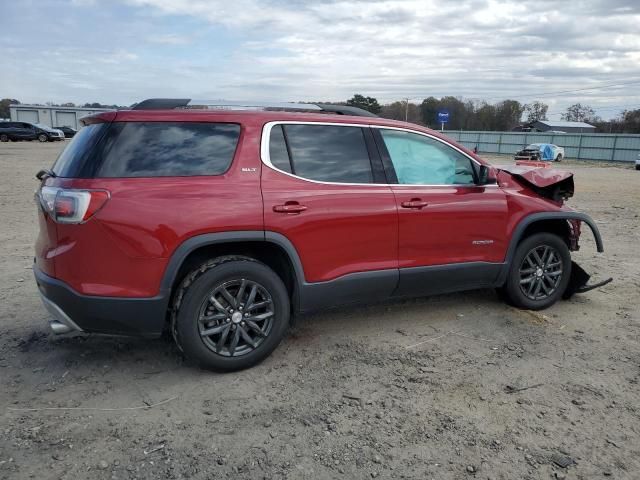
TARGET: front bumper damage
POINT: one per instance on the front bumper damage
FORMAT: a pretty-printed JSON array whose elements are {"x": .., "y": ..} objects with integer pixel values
[{"x": 578, "y": 282}]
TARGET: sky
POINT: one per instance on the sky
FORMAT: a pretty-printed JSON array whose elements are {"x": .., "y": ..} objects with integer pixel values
[{"x": 122, "y": 51}]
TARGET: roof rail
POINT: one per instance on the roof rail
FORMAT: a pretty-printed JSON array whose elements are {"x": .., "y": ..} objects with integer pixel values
[{"x": 171, "y": 103}]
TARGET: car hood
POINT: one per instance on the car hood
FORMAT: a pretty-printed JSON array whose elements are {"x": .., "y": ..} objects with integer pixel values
[
  {"x": 538, "y": 176},
  {"x": 47, "y": 129},
  {"x": 548, "y": 182}
]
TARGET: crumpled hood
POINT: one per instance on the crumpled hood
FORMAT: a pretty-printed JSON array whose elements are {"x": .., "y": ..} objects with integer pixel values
[
  {"x": 548, "y": 182},
  {"x": 540, "y": 177}
]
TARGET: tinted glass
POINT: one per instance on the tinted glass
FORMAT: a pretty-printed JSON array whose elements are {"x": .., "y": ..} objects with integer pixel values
[
  {"x": 420, "y": 160},
  {"x": 72, "y": 160},
  {"x": 165, "y": 149},
  {"x": 278, "y": 150},
  {"x": 329, "y": 153}
]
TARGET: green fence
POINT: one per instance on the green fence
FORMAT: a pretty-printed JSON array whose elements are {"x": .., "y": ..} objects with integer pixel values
[{"x": 581, "y": 146}]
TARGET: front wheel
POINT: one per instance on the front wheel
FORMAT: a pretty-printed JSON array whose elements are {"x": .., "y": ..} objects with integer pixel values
[
  {"x": 4, "y": 138},
  {"x": 42, "y": 138},
  {"x": 539, "y": 272},
  {"x": 559, "y": 158},
  {"x": 230, "y": 313}
]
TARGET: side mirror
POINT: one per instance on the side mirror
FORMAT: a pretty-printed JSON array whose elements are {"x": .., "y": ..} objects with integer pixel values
[{"x": 486, "y": 176}]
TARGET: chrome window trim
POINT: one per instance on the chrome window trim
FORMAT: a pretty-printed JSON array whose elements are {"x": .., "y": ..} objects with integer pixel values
[{"x": 266, "y": 160}]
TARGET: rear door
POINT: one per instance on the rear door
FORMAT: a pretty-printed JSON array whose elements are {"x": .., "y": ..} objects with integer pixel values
[
  {"x": 324, "y": 190},
  {"x": 452, "y": 232}
]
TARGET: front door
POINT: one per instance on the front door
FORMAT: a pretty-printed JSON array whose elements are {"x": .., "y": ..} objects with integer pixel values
[{"x": 452, "y": 232}]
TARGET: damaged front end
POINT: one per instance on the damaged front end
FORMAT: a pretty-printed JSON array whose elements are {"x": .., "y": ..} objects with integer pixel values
[
  {"x": 578, "y": 281},
  {"x": 558, "y": 186}
]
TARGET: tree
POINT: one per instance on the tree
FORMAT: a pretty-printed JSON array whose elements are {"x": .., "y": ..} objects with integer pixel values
[
  {"x": 401, "y": 111},
  {"x": 536, "y": 111},
  {"x": 631, "y": 121},
  {"x": 4, "y": 106},
  {"x": 429, "y": 111},
  {"x": 580, "y": 113},
  {"x": 366, "y": 103},
  {"x": 508, "y": 114}
]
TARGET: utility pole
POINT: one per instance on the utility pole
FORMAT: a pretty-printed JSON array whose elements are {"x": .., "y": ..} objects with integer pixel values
[{"x": 406, "y": 110}]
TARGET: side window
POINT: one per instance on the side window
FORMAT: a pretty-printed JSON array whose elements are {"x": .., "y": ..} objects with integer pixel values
[
  {"x": 278, "y": 152},
  {"x": 329, "y": 153},
  {"x": 168, "y": 149},
  {"x": 420, "y": 160}
]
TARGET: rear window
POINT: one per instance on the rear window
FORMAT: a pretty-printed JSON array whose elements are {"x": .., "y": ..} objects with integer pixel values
[
  {"x": 77, "y": 154},
  {"x": 322, "y": 152},
  {"x": 167, "y": 149}
]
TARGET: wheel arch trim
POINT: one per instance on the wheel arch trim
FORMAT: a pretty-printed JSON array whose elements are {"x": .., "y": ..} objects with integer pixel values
[
  {"x": 183, "y": 250},
  {"x": 541, "y": 216}
]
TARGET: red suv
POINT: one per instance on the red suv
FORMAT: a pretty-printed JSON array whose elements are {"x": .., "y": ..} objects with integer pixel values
[{"x": 222, "y": 224}]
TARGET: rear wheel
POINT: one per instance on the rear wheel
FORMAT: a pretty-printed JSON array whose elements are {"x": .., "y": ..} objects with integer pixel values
[
  {"x": 4, "y": 138},
  {"x": 230, "y": 313},
  {"x": 42, "y": 138},
  {"x": 539, "y": 272}
]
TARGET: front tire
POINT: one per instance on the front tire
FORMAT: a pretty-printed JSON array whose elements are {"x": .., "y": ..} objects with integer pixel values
[
  {"x": 42, "y": 138},
  {"x": 539, "y": 272},
  {"x": 4, "y": 138},
  {"x": 230, "y": 313},
  {"x": 559, "y": 158}
]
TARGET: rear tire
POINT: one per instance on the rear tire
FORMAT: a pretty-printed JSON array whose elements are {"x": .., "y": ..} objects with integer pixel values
[
  {"x": 539, "y": 272},
  {"x": 247, "y": 321},
  {"x": 42, "y": 138},
  {"x": 4, "y": 138}
]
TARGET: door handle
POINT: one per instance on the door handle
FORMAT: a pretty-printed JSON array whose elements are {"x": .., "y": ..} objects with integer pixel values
[
  {"x": 289, "y": 207},
  {"x": 417, "y": 203}
]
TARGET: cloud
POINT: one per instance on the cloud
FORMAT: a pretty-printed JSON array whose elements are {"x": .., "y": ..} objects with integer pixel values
[{"x": 301, "y": 50}]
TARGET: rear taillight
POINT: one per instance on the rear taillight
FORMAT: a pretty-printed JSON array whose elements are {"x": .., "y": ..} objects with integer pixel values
[{"x": 71, "y": 206}]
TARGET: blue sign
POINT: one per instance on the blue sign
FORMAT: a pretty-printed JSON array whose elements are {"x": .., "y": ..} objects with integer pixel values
[{"x": 443, "y": 116}]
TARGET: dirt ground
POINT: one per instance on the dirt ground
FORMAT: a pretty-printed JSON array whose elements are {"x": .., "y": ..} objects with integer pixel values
[{"x": 410, "y": 389}]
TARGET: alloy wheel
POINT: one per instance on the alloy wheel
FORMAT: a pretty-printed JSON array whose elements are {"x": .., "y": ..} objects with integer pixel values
[
  {"x": 540, "y": 272},
  {"x": 236, "y": 317}
]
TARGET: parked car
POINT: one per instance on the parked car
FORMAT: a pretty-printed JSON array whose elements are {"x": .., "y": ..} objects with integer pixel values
[
  {"x": 68, "y": 131},
  {"x": 222, "y": 225},
  {"x": 541, "y": 152},
  {"x": 47, "y": 134},
  {"x": 638, "y": 162},
  {"x": 16, "y": 131}
]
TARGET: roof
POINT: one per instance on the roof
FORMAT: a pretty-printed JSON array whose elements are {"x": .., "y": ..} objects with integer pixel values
[{"x": 562, "y": 124}]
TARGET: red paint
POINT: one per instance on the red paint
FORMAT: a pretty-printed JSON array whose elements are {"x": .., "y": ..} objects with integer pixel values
[{"x": 123, "y": 250}]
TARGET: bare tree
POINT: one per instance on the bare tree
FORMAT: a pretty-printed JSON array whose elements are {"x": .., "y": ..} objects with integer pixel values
[
  {"x": 536, "y": 111},
  {"x": 580, "y": 113}
]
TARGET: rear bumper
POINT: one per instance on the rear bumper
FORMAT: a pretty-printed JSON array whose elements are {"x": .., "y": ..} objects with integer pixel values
[{"x": 72, "y": 311}]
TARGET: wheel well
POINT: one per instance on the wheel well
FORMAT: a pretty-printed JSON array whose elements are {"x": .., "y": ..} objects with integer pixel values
[
  {"x": 268, "y": 253},
  {"x": 559, "y": 227}
]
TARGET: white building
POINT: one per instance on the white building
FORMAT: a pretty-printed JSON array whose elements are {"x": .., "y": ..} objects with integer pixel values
[{"x": 52, "y": 116}]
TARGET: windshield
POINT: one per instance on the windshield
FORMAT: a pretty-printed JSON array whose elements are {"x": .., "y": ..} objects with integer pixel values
[{"x": 533, "y": 146}]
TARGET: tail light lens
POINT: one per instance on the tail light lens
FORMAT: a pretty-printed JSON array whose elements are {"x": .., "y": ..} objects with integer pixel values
[{"x": 71, "y": 206}]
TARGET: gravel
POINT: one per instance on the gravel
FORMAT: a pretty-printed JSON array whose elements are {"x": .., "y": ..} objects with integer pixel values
[{"x": 343, "y": 396}]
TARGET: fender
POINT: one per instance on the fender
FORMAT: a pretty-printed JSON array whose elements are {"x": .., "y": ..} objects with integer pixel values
[
  {"x": 535, "y": 217},
  {"x": 185, "y": 248}
]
